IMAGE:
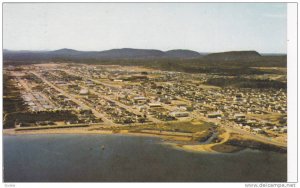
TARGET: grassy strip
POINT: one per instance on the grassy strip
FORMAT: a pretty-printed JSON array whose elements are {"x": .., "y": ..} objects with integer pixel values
[
  {"x": 50, "y": 127},
  {"x": 167, "y": 133},
  {"x": 184, "y": 127}
]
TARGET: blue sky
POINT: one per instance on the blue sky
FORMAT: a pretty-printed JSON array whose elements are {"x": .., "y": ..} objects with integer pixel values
[{"x": 203, "y": 27}]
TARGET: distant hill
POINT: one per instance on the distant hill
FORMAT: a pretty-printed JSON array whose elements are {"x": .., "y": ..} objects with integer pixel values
[
  {"x": 233, "y": 62},
  {"x": 182, "y": 54},
  {"x": 233, "y": 55},
  {"x": 65, "y": 51},
  {"x": 124, "y": 53},
  {"x": 130, "y": 53},
  {"x": 226, "y": 63}
]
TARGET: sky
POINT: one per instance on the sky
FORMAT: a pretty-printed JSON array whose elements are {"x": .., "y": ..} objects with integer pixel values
[{"x": 203, "y": 27}]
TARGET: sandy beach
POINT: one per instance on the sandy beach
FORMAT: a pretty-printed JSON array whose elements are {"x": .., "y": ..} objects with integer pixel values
[
  {"x": 180, "y": 141},
  {"x": 168, "y": 139}
]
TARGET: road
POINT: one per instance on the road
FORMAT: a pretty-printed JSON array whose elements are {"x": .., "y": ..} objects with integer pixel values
[
  {"x": 238, "y": 130},
  {"x": 78, "y": 102},
  {"x": 96, "y": 81},
  {"x": 28, "y": 89},
  {"x": 129, "y": 108},
  {"x": 257, "y": 137}
]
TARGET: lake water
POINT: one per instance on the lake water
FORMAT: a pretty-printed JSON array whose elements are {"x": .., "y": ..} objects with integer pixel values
[{"x": 81, "y": 158}]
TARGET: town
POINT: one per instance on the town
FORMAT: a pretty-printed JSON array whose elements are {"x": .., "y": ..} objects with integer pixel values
[{"x": 113, "y": 95}]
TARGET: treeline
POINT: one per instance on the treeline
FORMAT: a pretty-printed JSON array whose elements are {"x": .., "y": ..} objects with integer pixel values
[
  {"x": 246, "y": 83},
  {"x": 194, "y": 65},
  {"x": 232, "y": 68},
  {"x": 12, "y": 100},
  {"x": 262, "y": 61},
  {"x": 33, "y": 117}
]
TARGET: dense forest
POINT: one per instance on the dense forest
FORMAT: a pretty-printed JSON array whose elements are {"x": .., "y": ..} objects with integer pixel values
[
  {"x": 246, "y": 83},
  {"x": 198, "y": 65},
  {"x": 12, "y": 101},
  {"x": 32, "y": 117}
]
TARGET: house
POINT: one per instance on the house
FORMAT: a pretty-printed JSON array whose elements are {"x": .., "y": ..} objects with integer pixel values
[
  {"x": 179, "y": 114},
  {"x": 239, "y": 116},
  {"x": 283, "y": 129},
  {"x": 247, "y": 127},
  {"x": 84, "y": 92},
  {"x": 140, "y": 100},
  {"x": 142, "y": 108},
  {"x": 214, "y": 115},
  {"x": 238, "y": 97},
  {"x": 258, "y": 130},
  {"x": 154, "y": 105}
]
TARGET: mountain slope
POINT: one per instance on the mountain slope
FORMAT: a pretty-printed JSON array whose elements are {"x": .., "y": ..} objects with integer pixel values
[
  {"x": 124, "y": 53},
  {"x": 233, "y": 55},
  {"x": 182, "y": 54}
]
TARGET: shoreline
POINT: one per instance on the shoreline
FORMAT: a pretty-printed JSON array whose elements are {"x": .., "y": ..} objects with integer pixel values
[
  {"x": 95, "y": 132},
  {"x": 180, "y": 142}
]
